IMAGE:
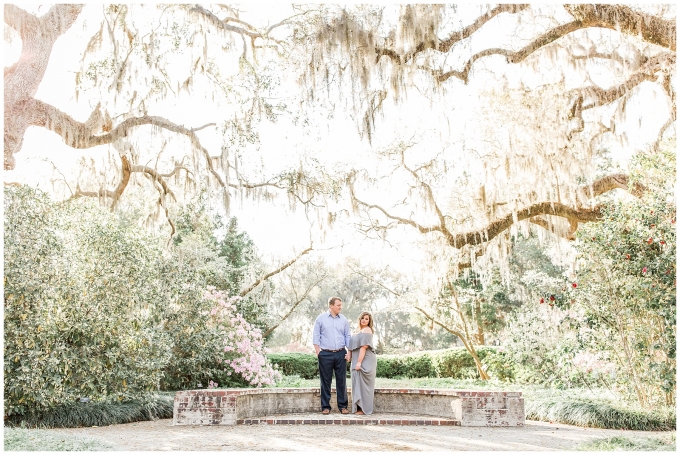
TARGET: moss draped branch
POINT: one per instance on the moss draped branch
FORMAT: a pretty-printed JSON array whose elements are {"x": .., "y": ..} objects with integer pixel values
[{"x": 575, "y": 215}]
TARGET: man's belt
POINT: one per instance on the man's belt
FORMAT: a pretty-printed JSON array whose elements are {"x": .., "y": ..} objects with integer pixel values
[{"x": 333, "y": 350}]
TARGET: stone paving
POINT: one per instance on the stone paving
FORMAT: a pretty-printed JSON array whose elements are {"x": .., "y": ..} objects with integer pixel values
[{"x": 163, "y": 435}]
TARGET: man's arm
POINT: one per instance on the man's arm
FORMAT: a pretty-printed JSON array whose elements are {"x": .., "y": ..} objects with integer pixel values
[
  {"x": 316, "y": 336},
  {"x": 348, "y": 337}
]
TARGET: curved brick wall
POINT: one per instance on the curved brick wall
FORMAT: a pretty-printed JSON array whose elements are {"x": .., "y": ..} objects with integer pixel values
[{"x": 468, "y": 407}]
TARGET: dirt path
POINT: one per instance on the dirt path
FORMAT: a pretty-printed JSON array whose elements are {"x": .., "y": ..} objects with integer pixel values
[{"x": 162, "y": 435}]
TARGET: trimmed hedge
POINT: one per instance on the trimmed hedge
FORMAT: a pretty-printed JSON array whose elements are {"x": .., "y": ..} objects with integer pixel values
[
  {"x": 448, "y": 363},
  {"x": 304, "y": 365},
  {"x": 454, "y": 363}
]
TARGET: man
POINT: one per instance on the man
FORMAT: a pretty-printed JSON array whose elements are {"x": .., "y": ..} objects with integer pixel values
[{"x": 331, "y": 337}]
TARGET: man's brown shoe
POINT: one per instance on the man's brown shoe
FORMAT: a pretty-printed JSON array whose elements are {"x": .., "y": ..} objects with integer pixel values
[
  {"x": 344, "y": 411},
  {"x": 326, "y": 411}
]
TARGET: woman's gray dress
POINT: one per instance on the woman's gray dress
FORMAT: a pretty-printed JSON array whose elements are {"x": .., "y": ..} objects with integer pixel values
[{"x": 363, "y": 381}]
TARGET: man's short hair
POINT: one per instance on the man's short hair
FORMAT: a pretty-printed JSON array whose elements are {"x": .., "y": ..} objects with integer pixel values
[{"x": 332, "y": 300}]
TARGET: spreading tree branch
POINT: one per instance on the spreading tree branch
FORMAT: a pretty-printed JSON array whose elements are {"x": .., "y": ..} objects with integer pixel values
[
  {"x": 295, "y": 305},
  {"x": 249, "y": 289},
  {"x": 578, "y": 214},
  {"x": 615, "y": 17},
  {"x": 446, "y": 44},
  {"x": 650, "y": 28}
]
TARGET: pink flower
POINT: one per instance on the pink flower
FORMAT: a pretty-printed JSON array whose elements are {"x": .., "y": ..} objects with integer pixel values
[{"x": 644, "y": 270}]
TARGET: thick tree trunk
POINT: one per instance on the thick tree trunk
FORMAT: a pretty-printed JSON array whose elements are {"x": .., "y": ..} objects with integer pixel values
[
  {"x": 478, "y": 320},
  {"x": 467, "y": 343},
  {"x": 22, "y": 80}
]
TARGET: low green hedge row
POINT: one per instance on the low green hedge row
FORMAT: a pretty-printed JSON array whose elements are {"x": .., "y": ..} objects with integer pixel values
[{"x": 448, "y": 363}]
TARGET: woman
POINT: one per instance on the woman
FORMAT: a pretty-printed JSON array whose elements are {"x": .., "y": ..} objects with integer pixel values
[{"x": 363, "y": 366}]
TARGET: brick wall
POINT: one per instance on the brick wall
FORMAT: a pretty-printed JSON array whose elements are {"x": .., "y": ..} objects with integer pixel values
[{"x": 470, "y": 408}]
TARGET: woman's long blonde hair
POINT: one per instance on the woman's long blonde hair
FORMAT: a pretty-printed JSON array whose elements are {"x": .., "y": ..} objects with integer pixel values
[{"x": 370, "y": 321}]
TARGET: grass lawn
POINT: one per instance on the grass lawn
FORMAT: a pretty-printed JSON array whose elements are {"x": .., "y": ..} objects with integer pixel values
[
  {"x": 43, "y": 440},
  {"x": 621, "y": 443}
]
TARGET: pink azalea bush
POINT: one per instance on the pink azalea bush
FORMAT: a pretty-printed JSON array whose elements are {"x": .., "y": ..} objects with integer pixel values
[{"x": 242, "y": 350}]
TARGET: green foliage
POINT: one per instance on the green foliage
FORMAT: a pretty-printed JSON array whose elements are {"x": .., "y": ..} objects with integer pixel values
[
  {"x": 458, "y": 363},
  {"x": 79, "y": 291},
  {"x": 449, "y": 363},
  {"x": 406, "y": 366},
  {"x": 72, "y": 415},
  {"x": 95, "y": 307},
  {"x": 626, "y": 294},
  {"x": 488, "y": 304},
  {"x": 196, "y": 343},
  {"x": 540, "y": 344},
  {"x": 295, "y": 380},
  {"x": 599, "y": 414},
  {"x": 306, "y": 366},
  {"x": 612, "y": 324},
  {"x": 22, "y": 439},
  {"x": 221, "y": 255},
  {"x": 625, "y": 443}
]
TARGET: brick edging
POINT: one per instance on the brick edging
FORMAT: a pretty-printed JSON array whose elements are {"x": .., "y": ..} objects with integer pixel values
[{"x": 305, "y": 421}]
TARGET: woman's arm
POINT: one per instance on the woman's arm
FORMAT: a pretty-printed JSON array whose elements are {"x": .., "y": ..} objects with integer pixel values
[{"x": 362, "y": 354}]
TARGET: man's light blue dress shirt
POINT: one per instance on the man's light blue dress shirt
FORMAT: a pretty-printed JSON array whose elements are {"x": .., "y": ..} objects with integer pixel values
[{"x": 331, "y": 332}]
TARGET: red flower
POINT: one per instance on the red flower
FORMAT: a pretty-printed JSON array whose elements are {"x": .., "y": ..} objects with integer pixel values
[
  {"x": 628, "y": 256},
  {"x": 542, "y": 300},
  {"x": 652, "y": 225},
  {"x": 662, "y": 243},
  {"x": 644, "y": 270},
  {"x": 650, "y": 240},
  {"x": 552, "y": 297},
  {"x": 573, "y": 285}
]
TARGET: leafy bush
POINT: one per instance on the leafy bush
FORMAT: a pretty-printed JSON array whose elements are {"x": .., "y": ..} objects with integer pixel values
[
  {"x": 458, "y": 363},
  {"x": 449, "y": 363},
  {"x": 613, "y": 323},
  {"x": 305, "y": 366},
  {"x": 95, "y": 307},
  {"x": 215, "y": 343},
  {"x": 79, "y": 293}
]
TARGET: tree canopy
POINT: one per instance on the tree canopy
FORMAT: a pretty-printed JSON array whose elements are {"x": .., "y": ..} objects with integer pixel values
[{"x": 526, "y": 103}]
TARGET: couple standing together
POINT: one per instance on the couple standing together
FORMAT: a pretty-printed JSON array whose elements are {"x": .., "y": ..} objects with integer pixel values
[{"x": 335, "y": 345}]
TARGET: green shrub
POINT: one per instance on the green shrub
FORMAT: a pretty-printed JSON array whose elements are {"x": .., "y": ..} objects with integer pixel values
[
  {"x": 450, "y": 363},
  {"x": 72, "y": 415},
  {"x": 79, "y": 294},
  {"x": 420, "y": 365},
  {"x": 304, "y": 365},
  {"x": 95, "y": 307}
]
